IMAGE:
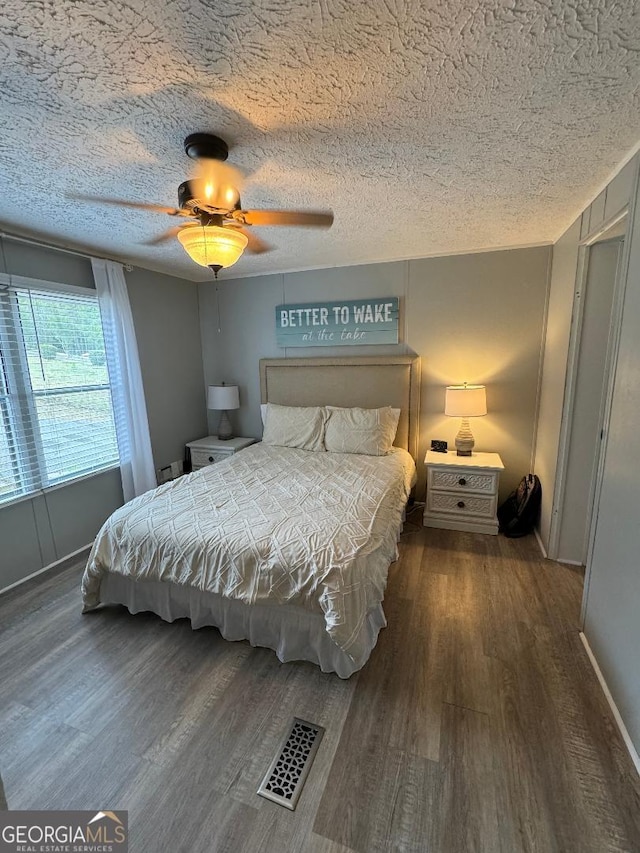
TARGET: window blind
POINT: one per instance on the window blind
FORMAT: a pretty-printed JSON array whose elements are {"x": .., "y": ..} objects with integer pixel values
[{"x": 56, "y": 413}]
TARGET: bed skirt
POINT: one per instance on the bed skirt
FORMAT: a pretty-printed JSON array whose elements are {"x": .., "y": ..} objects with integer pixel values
[{"x": 292, "y": 632}]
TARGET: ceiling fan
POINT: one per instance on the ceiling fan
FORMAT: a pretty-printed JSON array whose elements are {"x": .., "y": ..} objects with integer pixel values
[{"x": 215, "y": 228}]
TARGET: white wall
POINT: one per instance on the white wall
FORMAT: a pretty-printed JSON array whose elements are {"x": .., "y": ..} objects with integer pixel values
[
  {"x": 38, "y": 531},
  {"x": 556, "y": 349},
  {"x": 612, "y": 592},
  {"x": 612, "y": 599},
  {"x": 165, "y": 314},
  {"x": 475, "y": 318},
  {"x": 564, "y": 271}
]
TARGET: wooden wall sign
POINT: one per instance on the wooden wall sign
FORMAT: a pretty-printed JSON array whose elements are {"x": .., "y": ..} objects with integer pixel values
[{"x": 338, "y": 324}]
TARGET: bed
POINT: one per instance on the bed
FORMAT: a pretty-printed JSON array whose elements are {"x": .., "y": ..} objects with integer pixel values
[{"x": 283, "y": 547}]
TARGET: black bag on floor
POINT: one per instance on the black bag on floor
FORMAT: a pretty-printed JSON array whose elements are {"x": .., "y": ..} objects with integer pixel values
[{"x": 518, "y": 514}]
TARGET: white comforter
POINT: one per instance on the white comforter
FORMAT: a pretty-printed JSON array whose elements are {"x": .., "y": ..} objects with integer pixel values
[{"x": 270, "y": 524}]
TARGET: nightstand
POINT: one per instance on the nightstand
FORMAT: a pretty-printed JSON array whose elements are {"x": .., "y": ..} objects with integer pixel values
[
  {"x": 462, "y": 491},
  {"x": 207, "y": 451}
]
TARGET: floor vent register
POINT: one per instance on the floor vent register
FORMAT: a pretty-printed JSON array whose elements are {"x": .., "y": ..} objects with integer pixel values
[{"x": 288, "y": 771}]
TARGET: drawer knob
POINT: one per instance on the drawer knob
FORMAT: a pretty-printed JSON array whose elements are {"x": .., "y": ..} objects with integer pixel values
[
  {"x": 461, "y": 504},
  {"x": 462, "y": 481},
  {"x": 211, "y": 459}
]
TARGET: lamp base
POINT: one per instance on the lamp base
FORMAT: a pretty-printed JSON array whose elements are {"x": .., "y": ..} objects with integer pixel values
[
  {"x": 464, "y": 439},
  {"x": 225, "y": 433}
]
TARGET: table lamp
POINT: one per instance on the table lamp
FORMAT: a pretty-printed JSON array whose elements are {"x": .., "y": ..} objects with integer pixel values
[
  {"x": 224, "y": 398},
  {"x": 465, "y": 401}
]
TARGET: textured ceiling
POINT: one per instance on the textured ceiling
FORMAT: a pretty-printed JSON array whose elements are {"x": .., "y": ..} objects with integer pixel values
[{"x": 428, "y": 127}]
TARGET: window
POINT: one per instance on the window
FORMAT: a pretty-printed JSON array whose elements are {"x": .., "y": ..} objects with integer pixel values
[{"x": 56, "y": 415}]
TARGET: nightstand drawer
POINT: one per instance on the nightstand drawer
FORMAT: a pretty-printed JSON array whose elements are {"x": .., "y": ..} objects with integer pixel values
[
  {"x": 461, "y": 480},
  {"x": 202, "y": 458},
  {"x": 467, "y": 505}
]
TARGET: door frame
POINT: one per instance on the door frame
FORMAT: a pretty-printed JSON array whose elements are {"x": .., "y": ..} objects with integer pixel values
[{"x": 575, "y": 338}]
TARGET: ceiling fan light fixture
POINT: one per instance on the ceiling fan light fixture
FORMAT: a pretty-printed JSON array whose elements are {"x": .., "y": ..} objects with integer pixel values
[{"x": 213, "y": 245}]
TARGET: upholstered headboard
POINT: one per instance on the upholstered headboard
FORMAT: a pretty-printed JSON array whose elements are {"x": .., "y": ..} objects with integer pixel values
[{"x": 365, "y": 381}]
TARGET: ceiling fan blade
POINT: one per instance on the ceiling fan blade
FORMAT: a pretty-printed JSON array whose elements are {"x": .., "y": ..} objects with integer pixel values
[
  {"x": 167, "y": 235},
  {"x": 255, "y": 245},
  {"x": 304, "y": 218},
  {"x": 121, "y": 202}
]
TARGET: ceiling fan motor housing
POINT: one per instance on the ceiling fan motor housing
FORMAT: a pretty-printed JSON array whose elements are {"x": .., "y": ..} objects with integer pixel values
[{"x": 206, "y": 145}]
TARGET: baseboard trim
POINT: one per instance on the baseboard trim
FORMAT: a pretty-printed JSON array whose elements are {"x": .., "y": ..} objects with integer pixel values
[
  {"x": 45, "y": 569},
  {"x": 614, "y": 708},
  {"x": 570, "y": 562},
  {"x": 540, "y": 543}
]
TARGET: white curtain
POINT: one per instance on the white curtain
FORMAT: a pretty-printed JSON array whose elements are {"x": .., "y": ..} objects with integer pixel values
[{"x": 129, "y": 407}]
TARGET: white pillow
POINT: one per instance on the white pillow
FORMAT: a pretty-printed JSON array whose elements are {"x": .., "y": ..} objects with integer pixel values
[
  {"x": 295, "y": 426},
  {"x": 368, "y": 431}
]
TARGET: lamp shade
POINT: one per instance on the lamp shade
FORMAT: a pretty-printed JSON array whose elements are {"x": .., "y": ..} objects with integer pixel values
[
  {"x": 223, "y": 397},
  {"x": 212, "y": 245},
  {"x": 465, "y": 401}
]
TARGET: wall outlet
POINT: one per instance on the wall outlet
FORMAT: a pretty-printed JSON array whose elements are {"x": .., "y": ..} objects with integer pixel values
[
  {"x": 163, "y": 475},
  {"x": 170, "y": 472}
]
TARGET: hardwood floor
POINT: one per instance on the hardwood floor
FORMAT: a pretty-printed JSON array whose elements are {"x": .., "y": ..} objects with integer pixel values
[{"x": 477, "y": 725}]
